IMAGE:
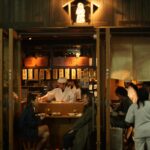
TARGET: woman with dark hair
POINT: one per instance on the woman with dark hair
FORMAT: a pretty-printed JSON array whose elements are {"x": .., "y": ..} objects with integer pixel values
[
  {"x": 139, "y": 115},
  {"x": 117, "y": 120},
  {"x": 78, "y": 136},
  {"x": 31, "y": 127}
]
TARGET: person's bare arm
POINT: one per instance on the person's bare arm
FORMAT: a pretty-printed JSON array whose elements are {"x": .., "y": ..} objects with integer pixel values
[{"x": 43, "y": 98}]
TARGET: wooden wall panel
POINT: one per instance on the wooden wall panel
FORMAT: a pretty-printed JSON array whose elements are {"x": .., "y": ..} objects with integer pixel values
[
  {"x": 1, "y": 89},
  {"x": 135, "y": 12},
  {"x": 49, "y": 13},
  {"x": 1, "y": 12}
]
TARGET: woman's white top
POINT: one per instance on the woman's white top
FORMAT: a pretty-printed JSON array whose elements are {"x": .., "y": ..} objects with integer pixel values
[{"x": 141, "y": 119}]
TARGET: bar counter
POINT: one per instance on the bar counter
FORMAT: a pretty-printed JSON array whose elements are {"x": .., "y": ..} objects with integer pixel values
[
  {"x": 61, "y": 109},
  {"x": 61, "y": 117}
]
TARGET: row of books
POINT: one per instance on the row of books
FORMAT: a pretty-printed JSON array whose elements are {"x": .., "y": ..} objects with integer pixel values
[{"x": 47, "y": 74}]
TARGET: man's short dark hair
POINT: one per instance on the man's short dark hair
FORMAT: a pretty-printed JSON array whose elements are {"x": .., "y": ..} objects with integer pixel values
[{"x": 121, "y": 91}]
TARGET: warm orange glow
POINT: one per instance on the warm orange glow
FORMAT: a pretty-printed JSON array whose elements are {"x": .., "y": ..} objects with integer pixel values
[
  {"x": 71, "y": 61},
  {"x": 35, "y": 61}
]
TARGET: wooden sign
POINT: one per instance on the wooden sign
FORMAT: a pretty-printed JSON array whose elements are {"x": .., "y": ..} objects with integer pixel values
[
  {"x": 48, "y": 74},
  {"x": 79, "y": 73},
  {"x": 55, "y": 74},
  {"x": 61, "y": 73},
  {"x": 73, "y": 73},
  {"x": 30, "y": 74},
  {"x": 67, "y": 73},
  {"x": 36, "y": 74},
  {"x": 41, "y": 74},
  {"x": 24, "y": 74}
]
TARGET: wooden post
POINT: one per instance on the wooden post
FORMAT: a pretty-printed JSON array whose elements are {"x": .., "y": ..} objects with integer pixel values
[
  {"x": 107, "y": 89},
  {"x": 1, "y": 89},
  {"x": 10, "y": 79},
  {"x": 98, "y": 87}
]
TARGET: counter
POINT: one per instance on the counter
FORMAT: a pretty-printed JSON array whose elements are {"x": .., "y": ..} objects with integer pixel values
[
  {"x": 61, "y": 118},
  {"x": 61, "y": 109}
]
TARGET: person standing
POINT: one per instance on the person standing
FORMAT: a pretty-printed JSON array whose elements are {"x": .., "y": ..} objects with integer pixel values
[
  {"x": 139, "y": 116},
  {"x": 74, "y": 86},
  {"x": 121, "y": 110},
  {"x": 60, "y": 94},
  {"x": 78, "y": 137}
]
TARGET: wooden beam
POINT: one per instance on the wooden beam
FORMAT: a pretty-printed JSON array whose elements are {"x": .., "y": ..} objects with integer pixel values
[
  {"x": 1, "y": 89},
  {"x": 10, "y": 80},
  {"x": 107, "y": 89},
  {"x": 98, "y": 88}
]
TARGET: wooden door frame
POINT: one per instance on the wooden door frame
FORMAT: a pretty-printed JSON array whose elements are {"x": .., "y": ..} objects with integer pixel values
[
  {"x": 98, "y": 118},
  {"x": 10, "y": 81},
  {"x": 1, "y": 88},
  {"x": 107, "y": 88}
]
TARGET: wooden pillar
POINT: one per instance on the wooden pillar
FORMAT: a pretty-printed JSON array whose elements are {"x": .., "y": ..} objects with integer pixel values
[
  {"x": 98, "y": 87},
  {"x": 1, "y": 89},
  {"x": 107, "y": 89},
  {"x": 10, "y": 81},
  {"x": 19, "y": 66}
]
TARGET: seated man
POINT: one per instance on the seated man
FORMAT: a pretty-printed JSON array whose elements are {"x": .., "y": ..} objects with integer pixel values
[
  {"x": 30, "y": 125},
  {"x": 79, "y": 135}
]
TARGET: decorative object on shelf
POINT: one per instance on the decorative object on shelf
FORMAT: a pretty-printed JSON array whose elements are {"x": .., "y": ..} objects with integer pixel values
[{"x": 81, "y": 12}]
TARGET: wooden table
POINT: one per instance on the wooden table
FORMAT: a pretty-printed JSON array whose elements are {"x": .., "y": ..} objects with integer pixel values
[{"x": 61, "y": 123}]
